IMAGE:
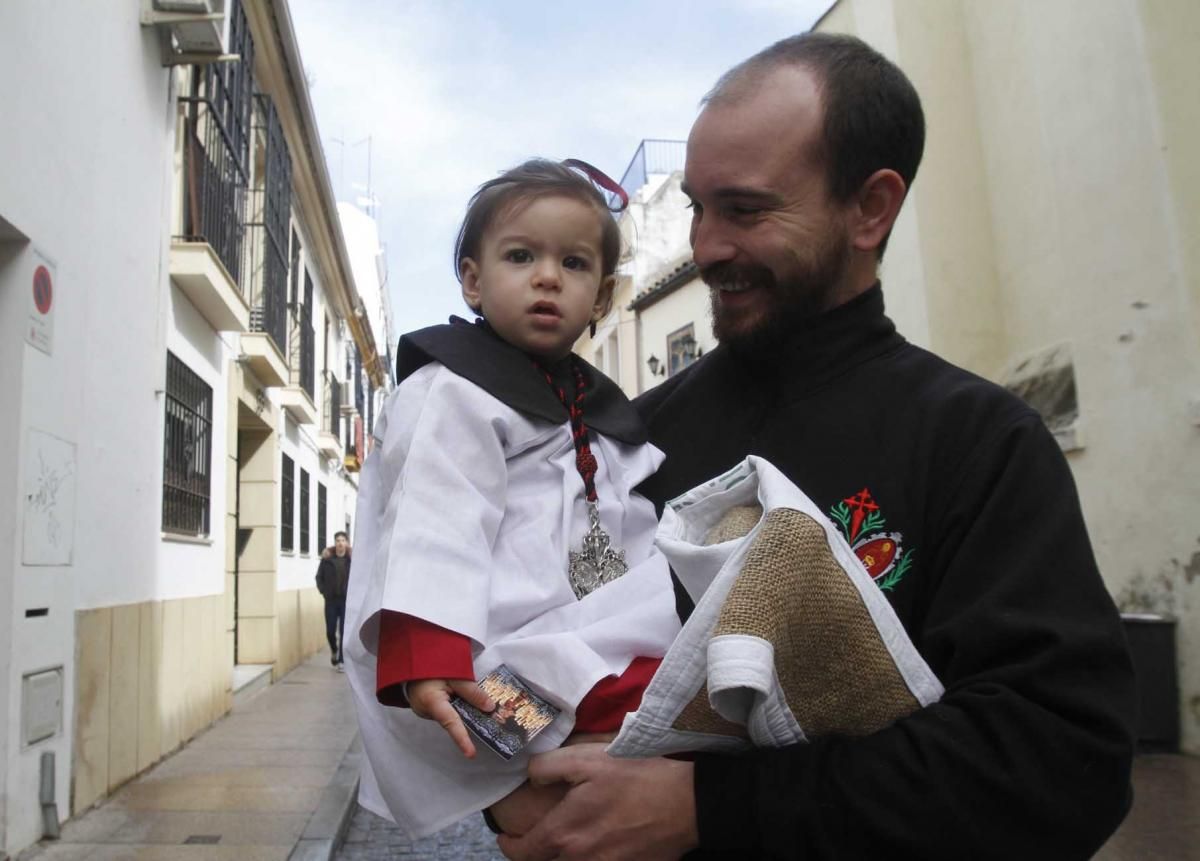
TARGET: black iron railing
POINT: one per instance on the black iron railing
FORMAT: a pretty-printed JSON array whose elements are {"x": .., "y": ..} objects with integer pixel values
[
  {"x": 332, "y": 403},
  {"x": 267, "y": 228},
  {"x": 358, "y": 383},
  {"x": 187, "y": 451},
  {"x": 287, "y": 503},
  {"x": 322, "y": 516},
  {"x": 304, "y": 528},
  {"x": 652, "y": 157},
  {"x": 216, "y": 149}
]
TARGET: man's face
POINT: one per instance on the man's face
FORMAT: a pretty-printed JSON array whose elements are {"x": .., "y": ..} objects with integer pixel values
[
  {"x": 770, "y": 243},
  {"x": 340, "y": 544}
]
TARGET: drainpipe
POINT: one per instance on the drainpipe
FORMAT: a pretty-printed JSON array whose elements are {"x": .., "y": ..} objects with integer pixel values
[{"x": 46, "y": 797}]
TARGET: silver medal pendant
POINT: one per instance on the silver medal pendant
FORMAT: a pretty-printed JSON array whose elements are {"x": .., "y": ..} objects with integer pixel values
[{"x": 597, "y": 562}]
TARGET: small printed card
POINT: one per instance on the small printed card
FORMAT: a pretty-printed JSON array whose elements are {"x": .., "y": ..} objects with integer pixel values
[{"x": 520, "y": 714}]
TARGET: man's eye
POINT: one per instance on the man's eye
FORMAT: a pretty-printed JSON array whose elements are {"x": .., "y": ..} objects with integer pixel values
[
  {"x": 695, "y": 207},
  {"x": 573, "y": 262},
  {"x": 744, "y": 211},
  {"x": 518, "y": 255}
]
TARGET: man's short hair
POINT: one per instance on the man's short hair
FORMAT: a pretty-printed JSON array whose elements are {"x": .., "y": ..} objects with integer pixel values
[
  {"x": 872, "y": 117},
  {"x": 340, "y": 534}
]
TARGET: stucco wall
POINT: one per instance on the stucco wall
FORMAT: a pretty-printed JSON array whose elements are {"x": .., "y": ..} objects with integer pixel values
[
  {"x": 1058, "y": 204},
  {"x": 149, "y": 677}
]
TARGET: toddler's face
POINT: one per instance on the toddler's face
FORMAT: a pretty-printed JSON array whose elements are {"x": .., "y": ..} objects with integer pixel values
[{"x": 538, "y": 278}]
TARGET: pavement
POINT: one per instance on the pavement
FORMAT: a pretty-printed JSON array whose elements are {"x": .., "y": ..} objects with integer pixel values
[
  {"x": 274, "y": 780},
  {"x": 277, "y": 778}
]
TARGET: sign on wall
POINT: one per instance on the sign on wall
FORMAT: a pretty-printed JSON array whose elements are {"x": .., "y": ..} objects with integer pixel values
[
  {"x": 48, "y": 500},
  {"x": 39, "y": 331}
]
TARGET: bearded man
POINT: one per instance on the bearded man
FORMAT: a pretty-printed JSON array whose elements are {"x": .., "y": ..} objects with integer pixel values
[{"x": 797, "y": 168}]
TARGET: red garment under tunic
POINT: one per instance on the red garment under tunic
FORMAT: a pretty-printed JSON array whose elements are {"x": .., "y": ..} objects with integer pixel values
[{"x": 412, "y": 649}]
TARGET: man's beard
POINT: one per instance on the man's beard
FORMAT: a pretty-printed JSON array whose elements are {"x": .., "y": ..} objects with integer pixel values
[{"x": 805, "y": 294}]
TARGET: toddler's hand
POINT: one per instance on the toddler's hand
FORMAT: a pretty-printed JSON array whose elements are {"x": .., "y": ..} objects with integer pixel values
[{"x": 430, "y": 699}]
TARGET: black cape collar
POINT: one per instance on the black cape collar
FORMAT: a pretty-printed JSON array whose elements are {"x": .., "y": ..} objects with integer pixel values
[{"x": 476, "y": 353}]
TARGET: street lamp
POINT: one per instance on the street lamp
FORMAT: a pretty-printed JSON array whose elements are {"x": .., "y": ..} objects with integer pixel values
[{"x": 657, "y": 368}]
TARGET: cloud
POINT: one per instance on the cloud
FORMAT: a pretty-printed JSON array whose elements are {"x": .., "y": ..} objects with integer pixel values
[{"x": 451, "y": 92}]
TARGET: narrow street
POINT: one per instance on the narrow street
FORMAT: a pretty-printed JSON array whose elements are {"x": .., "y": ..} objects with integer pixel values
[{"x": 371, "y": 838}]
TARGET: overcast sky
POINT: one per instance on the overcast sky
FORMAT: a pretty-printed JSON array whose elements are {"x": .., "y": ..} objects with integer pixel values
[{"x": 451, "y": 92}]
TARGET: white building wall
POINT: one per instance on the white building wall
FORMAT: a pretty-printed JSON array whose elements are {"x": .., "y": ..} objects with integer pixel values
[
  {"x": 60, "y": 169},
  {"x": 187, "y": 568}
]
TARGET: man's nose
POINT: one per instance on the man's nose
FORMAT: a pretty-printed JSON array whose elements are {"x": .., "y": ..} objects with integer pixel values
[{"x": 710, "y": 244}]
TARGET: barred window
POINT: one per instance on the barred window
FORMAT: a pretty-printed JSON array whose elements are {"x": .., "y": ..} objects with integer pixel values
[
  {"x": 322, "y": 514},
  {"x": 187, "y": 451},
  {"x": 287, "y": 489},
  {"x": 303, "y": 511}
]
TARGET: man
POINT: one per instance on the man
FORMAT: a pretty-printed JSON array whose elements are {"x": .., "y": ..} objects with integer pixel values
[
  {"x": 796, "y": 169},
  {"x": 333, "y": 575}
]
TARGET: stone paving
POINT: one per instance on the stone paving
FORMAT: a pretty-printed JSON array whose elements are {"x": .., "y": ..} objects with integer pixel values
[{"x": 371, "y": 838}]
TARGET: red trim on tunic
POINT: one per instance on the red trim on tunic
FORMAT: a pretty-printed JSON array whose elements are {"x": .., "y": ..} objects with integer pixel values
[{"x": 411, "y": 648}]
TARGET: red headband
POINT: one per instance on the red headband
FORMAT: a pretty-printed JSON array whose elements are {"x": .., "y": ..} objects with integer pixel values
[{"x": 601, "y": 179}]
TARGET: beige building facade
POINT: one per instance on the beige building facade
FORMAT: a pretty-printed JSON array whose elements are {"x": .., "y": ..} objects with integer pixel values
[{"x": 1051, "y": 243}]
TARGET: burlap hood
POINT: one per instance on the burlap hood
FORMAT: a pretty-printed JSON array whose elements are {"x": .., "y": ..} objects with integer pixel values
[{"x": 790, "y": 637}]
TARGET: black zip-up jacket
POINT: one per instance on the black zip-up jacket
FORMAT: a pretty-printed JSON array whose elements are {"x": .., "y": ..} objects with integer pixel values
[
  {"x": 962, "y": 507},
  {"x": 329, "y": 584}
]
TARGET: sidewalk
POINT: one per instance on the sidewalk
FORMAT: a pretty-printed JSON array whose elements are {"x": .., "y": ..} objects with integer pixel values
[{"x": 274, "y": 780}]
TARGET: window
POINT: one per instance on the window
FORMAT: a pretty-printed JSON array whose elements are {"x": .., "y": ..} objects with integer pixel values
[
  {"x": 303, "y": 511},
  {"x": 322, "y": 513},
  {"x": 682, "y": 349},
  {"x": 287, "y": 489},
  {"x": 187, "y": 451}
]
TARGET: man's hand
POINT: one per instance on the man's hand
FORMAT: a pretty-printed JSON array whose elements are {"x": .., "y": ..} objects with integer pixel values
[
  {"x": 430, "y": 699},
  {"x": 616, "y": 809}
]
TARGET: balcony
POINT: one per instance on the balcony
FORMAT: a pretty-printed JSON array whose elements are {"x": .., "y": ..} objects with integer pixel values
[
  {"x": 198, "y": 272},
  {"x": 327, "y": 440},
  {"x": 297, "y": 402},
  {"x": 262, "y": 356}
]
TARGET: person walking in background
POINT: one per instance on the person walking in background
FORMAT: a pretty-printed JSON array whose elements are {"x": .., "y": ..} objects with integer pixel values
[{"x": 333, "y": 577}]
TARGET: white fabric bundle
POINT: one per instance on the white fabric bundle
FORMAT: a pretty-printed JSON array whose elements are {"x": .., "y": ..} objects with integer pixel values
[{"x": 789, "y": 638}]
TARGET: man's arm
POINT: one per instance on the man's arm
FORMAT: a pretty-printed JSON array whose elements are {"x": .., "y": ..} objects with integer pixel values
[
  {"x": 615, "y": 809},
  {"x": 1027, "y": 755}
]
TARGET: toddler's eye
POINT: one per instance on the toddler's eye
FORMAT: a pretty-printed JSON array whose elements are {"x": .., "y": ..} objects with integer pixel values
[
  {"x": 518, "y": 255},
  {"x": 574, "y": 262}
]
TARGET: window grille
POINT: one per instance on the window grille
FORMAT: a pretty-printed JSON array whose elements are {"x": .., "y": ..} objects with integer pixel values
[
  {"x": 187, "y": 451},
  {"x": 335, "y": 404},
  {"x": 217, "y": 148},
  {"x": 303, "y": 356},
  {"x": 358, "y": 386},
  {"x": 287, "y": 489},
  {"x": 269, "y": 203},
  {"x": 303, "y": 511},
  {"x": 322, "y": 514}
]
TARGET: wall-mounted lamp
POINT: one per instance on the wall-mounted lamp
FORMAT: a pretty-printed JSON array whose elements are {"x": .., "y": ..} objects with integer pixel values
[
  {"x": 657, "y": 368},
  {"x": 689, "y": 349}
]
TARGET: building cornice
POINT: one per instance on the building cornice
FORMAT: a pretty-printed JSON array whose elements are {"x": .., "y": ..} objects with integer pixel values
[
  {"x": 684, "y": 273},
  {"x": 280, "y": 73}
]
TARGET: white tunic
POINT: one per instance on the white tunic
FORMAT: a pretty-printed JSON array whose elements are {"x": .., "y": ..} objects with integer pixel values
[{"x": 467, "y": 510}]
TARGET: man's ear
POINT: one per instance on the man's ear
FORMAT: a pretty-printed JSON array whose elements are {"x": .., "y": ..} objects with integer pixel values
[
  {"x": 879, "y": 202},
  {"x": 468, "y": 271},
  {"x": 604, "y": 298}
]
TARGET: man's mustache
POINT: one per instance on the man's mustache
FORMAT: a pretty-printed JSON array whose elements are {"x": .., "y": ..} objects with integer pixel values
[{"x": 722, "y": 274}]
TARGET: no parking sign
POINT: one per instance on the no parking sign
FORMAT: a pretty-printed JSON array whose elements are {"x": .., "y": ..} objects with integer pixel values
[{"x": 40, "y": 330}]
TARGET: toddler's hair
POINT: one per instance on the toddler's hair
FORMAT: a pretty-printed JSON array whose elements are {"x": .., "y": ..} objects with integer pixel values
[{"x": 520, "y": 186}]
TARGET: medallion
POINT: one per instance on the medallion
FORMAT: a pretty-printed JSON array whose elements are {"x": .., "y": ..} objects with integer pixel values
[{"x": 597, "y": 562}]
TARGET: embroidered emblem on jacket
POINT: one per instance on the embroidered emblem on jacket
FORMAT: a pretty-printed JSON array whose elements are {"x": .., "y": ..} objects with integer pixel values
[{"x": 881, "y": 553}]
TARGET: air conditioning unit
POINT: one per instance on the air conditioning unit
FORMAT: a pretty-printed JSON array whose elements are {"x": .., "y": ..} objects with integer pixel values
[
  {"x": 346, "y": 396},
  {"x": 193, "y": 31}
]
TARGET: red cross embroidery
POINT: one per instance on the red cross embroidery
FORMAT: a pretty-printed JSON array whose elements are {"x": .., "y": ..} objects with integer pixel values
[{"x": 860, "y": 503}]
